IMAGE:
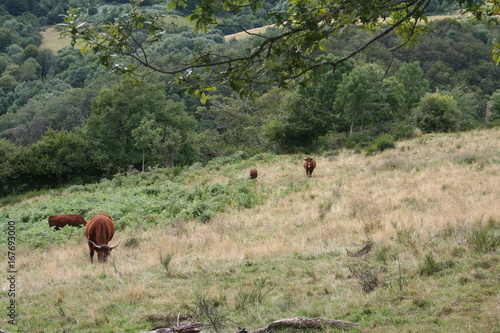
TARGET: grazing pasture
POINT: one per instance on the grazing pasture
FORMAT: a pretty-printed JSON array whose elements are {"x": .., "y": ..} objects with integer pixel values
[{"x": 210, "y": 244}]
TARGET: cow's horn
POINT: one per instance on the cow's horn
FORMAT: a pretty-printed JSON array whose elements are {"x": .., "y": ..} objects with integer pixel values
[
  {"x": 95, "y": 245},
  {"x": 112, "y": 247}
]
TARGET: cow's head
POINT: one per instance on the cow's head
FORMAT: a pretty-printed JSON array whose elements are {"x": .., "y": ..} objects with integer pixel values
[
  {"x": 308, "y": 160},
  {"x": 103, "y": 251}
]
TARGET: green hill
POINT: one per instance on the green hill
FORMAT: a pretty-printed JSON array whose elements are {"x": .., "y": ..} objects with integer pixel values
[{"x": 208, "y": 243}]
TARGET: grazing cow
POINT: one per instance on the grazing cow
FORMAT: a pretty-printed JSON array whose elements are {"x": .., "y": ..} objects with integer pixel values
[
  {"x": 60, "y": 221},
  {"x": 309, "y": 165},
  {"x": 99, "y": 232},
  {"x": 253, "y": 173}
]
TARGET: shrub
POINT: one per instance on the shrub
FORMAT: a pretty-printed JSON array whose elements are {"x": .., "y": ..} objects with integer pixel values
[
  {"x": 437, "y": 113},
  {"x": 381, "y": 143},
  {"x": 403, "y": 131},
  {"x": 358, "y": 140},
  {"x": 333, "y": 141},
  {"x": 217, "y": 162}
]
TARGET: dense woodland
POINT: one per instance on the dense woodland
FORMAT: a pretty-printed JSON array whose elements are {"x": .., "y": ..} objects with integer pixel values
[{"x": 65, "y": 120}]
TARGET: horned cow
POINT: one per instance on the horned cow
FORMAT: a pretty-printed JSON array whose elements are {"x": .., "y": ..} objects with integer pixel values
[
  {"x": 309, "y": 165},
  {"x": 99, "y": 231},
  {"x": 60, "y": 221}
]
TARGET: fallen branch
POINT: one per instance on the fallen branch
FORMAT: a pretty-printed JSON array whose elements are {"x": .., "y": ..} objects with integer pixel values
[
  {"x": 297, "y": 323},
  {"x": 314, "y": 323},
  {"x": 184, "y": 328}
]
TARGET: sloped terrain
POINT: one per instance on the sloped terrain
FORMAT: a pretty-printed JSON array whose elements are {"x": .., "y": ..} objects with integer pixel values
[{"x": 208, "y": 243}]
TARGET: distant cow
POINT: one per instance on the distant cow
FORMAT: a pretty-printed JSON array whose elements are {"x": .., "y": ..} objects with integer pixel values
[
  {"x": 60, "y": 221},
  {"x": 99, "y": 232},
  {"x": 253, "y": 173},
  {"x": 309, "y": 165}
]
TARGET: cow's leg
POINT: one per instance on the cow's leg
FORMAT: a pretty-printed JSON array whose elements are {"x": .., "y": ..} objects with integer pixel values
[{"x": 91, "y": 250}]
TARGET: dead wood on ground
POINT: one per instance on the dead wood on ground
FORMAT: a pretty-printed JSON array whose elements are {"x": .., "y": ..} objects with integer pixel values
[{"x": 296, "y": 323}]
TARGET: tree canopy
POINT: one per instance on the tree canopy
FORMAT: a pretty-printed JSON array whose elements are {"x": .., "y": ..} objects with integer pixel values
[{"x": 287, "y": 51}]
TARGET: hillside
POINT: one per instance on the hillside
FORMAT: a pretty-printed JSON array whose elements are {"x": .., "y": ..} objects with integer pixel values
[
  {"x": 51, "y": 35},
  {"x": 241, "y": 35},
  {"x": 210, "y": 244}
]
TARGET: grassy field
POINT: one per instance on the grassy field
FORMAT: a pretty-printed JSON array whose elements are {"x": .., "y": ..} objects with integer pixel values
[
  {"x": 52, "y": 39},
  {"x": 212, "y": 245}
]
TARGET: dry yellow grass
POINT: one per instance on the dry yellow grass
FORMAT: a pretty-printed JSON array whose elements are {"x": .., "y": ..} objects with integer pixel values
[
  {"x": 52, "y": 39},
  {"x": 425, "y": 185},
  {"x": 246, "y": 34},
  {"x": 418, "y": 184}
]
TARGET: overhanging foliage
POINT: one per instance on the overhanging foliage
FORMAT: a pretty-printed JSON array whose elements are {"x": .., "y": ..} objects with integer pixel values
[{"x": 289, "y": 51}]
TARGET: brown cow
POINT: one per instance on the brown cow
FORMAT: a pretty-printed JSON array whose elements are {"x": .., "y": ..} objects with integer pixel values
[
  {"x": 60, "y": 221},
  {"x": 99, "y": 232},
  {"x": 309, "y": 165},
  {"x": 253, "y": 173}
]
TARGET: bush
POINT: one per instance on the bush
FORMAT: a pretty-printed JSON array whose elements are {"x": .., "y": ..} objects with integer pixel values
[
  {"x": 333, "y": 141},
  {"x": 217, "y": 162},
  {"x": 382, "y": 143},
  {"x": 437, "y": 113},
  {"x": 358, "y": 140},
  {"x": 401, "y": 131}
]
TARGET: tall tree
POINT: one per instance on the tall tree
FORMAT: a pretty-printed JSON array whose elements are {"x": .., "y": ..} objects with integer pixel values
[
  {"x": 117, "y": 120},
  {"x": 59, "y": 157},
  {"x": 9, "y": 162},
  {"x": 301, "y": 122},
  {"x": 367, "y": 99},
  {"x": 495, "y": 106},
  {"x": 146, "y": 135},
  {"x": 411, "y": 76}
]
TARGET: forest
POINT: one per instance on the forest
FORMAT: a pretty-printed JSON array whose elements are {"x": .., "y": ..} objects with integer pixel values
[{"x": 67, "y": 120}]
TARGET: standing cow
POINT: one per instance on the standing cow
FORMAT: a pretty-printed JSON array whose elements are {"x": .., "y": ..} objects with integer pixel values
[
  {"x": 253, "y": 174},
  {"x": 99, "y": 231},
  {"x": 60, "y": 221},
  {"x": 309, "y": 165}
]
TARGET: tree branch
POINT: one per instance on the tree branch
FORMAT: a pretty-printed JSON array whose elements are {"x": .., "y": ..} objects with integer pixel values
[{"x": 296, "y": 323}]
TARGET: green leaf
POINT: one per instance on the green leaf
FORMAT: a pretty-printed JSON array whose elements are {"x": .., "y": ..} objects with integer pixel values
[{"x": 496, "y": 51}]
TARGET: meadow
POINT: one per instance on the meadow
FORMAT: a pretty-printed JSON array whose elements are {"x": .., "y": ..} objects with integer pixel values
[{"x": 208, "y": 244}]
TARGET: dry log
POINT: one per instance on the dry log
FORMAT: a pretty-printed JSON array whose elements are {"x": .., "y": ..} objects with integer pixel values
[
  {"x": 184, "y": 328},
  {"x": 298, "y": 323}
]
